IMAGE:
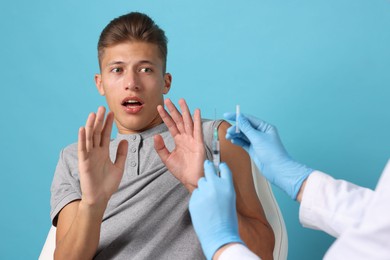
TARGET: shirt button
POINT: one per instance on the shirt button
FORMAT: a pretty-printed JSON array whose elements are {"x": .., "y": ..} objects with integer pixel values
[
  {"x": 133, "y": 150},
  {"x": 133, "y": 137},
  {"x": 133, "y": 164}
]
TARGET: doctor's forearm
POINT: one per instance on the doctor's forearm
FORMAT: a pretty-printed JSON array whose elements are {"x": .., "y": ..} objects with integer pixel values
[{"x": 332, "y": 205}]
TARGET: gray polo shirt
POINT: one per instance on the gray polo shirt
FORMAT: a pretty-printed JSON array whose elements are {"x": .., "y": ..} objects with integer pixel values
[{"x": 147, "y": 218}]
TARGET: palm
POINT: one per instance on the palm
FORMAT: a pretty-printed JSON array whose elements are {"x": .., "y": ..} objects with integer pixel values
[
  {"x": 185, "y": 162},
  {"x": 99, "y": 176},
  {"x": 191, "y": 155},
  {"x": 99, "y": 173}
]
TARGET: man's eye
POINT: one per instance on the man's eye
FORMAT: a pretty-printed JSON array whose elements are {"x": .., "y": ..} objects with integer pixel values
[
  {"x": 117, "y": 70},
  {"x": 147, "y": 70}
]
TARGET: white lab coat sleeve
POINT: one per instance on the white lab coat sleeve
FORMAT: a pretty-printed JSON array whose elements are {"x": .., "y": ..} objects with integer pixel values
[
  {"x": 238, "y": 251},
  {"x": 332, "y": 205},
  {"x": 371, "y": 238}
]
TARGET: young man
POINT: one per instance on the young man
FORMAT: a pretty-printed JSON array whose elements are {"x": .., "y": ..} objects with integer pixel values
[{"x": 117, "y": 199}]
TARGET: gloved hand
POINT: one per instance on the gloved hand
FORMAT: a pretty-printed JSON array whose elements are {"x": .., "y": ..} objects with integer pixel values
[
  {"x": 213, "y": 210},
  {"x": 262, "y": 142}
]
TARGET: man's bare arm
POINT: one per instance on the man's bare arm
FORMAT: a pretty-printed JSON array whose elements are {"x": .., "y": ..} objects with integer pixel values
[
  {"x": 79, "y": 222},
  {"x": 254, "y": 228}
]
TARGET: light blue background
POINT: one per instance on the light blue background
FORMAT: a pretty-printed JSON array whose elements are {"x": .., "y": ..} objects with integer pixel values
[{"x": 319, "y": 70}]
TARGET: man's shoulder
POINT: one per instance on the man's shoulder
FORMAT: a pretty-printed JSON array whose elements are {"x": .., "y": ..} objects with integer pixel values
[
  {"x": 208, "y": 122},
  {"x": 69, "y": 153},
  {"x": 209, "y": 125},
  {"x": 71, "y": 148}
]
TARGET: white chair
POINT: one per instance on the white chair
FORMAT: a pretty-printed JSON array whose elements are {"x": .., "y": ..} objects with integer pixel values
[
  {"x": 270, "y": 206},
  {"x": 49, "y": 246}
]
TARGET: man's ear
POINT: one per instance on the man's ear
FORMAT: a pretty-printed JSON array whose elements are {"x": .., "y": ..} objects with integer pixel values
[
  {"x": 99, "y": 84},
  {"x": 168, "y": 81}
]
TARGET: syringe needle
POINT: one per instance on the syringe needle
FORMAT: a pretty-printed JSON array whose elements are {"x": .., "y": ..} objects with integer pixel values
[{"x": 237, "y": 114}]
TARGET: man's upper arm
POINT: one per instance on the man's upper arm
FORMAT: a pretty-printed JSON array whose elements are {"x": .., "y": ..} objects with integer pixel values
[
  {"x": 240, "y": 165},
  {"x": 65, "y": 191},
  {"x": 253, "y": 226}
]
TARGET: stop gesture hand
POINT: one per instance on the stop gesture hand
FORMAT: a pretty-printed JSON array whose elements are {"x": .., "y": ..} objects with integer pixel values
[
  {"x": 99, "y": 176},
  {"x": 185, "y": 161}
]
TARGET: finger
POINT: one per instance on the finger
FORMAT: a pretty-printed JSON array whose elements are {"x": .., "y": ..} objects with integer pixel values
[
  {"x": 198, "y": 131},
  {"x": 98, "y": 125},
  {"x": 121, "y": 154},
  {"x": 81, "y": 144},
  {"x": 201, "y": 183},
  {"x": 230, "y": 116},
  {"x": 193, "y": 198},
  {"x": 188, "y": 123},
  {"x": 209, "y": 171},
  {"x": 193, "y": 194},
  {"x": 232, "y": 130},
  {"x": 240, "y": 142},
  {"x": 168, "y": 121},
  {"x": 226, "y": 174},
  {"x": 246, "y": 126},
  {"x": 253, "y": 122},
  {"x": 89, "y": 131},
  {"x": 160, "y": 148},
  {"x": 230, "y": 136},
  {"x": 107, "y": 129},
  {"x": 175, "y": 114}
]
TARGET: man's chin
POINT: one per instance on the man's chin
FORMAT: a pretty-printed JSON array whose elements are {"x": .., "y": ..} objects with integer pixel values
[{"x": 134, "y": 127}]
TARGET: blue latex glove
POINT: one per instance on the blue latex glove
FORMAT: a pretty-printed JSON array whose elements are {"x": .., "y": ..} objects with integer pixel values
[
  {"x": 213, "y": 210},
  {"x": 262, "y": 142}
]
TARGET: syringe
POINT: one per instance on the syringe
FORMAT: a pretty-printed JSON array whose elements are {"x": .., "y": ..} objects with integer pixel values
[
  {"x": 237, "y": 114},
  {"x": 216, "y": 151}
]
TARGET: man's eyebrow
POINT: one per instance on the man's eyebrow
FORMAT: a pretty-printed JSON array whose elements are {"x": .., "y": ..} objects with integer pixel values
[
  {"x": 141, "y": 62},
  {"x": 146, "y": 62},
  {"x": 115, "y": 63}
]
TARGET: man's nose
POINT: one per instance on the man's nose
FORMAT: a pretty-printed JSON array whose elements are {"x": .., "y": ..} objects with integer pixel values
[{"x": 132, "y": 81}]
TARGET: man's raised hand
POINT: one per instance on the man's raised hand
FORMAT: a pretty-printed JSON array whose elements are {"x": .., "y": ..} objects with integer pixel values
[
  {"x": 185, "y": 161},
  {"x": 99, "y": 176}
]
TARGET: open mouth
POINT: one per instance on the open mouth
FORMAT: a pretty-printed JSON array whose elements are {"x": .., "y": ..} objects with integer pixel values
[
  {"x": 132, "y": 105},
  {"x": 132, "y": 102}
]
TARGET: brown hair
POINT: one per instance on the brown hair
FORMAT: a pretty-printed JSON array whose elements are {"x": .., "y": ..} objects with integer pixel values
[{"x": 131, "y": 27}]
